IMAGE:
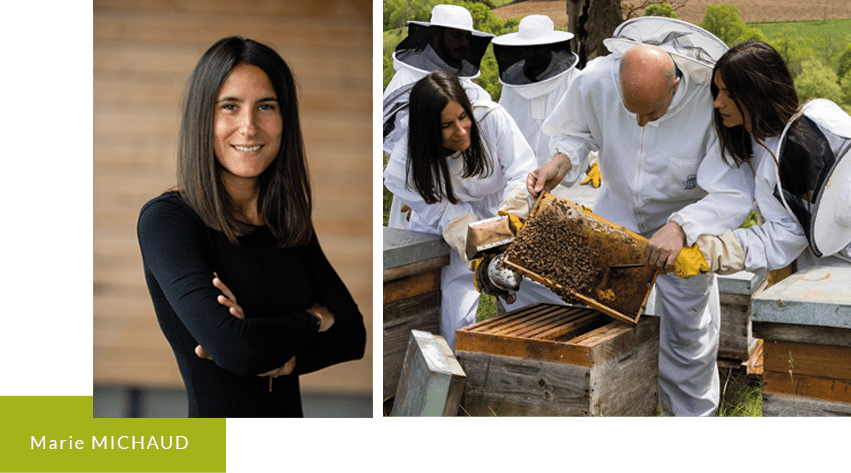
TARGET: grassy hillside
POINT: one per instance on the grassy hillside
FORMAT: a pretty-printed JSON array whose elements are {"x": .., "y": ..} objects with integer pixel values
[{"x": 804, "y": 28}]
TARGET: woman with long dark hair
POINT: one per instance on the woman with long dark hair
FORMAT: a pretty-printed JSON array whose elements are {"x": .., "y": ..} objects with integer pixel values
[
  {"x": 239, "y": 224},
  {"x": 799, "y": 154},
  {"x": 461, "y": 161}
]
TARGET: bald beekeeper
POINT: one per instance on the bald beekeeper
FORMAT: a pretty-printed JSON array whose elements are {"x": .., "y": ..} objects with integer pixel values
[{"x": 647, "y": 109}]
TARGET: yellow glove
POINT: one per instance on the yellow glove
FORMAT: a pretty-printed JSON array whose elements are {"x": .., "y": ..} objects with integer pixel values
[
  {"x": 690, "y": 262},
  {"x": 716, "y": 254},
  {"x": 407, "y": 211},
  {"x": 476, "y": 275},
  {"x": 594, "y": 176},
  {"x": 514, "y": 222}
]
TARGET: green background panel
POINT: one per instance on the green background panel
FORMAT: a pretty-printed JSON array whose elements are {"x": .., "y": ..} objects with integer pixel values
[{"x": 69, "y": 418}]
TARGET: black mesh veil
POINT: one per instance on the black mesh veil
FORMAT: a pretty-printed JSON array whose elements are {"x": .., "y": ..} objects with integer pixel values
[
  {"x": 805, "y": 163},
  {"x": 419, "y": 36},
  {"x": 514, "y": 61}
]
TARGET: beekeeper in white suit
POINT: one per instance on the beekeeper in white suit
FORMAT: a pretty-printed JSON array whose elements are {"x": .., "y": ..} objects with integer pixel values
[
  {"x": 535, "y": 68},
  {"x": 647, "y": 108},
  {"x": 448, "y": 42},
  {"x": 429, "y": 171},
  {"x": 803, "y": 173}
]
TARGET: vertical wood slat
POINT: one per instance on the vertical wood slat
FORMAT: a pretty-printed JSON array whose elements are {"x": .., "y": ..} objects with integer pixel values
[{"x": 144, "y": 51}]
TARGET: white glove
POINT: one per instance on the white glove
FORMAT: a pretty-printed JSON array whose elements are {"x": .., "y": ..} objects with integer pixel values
[
  {"x": 455, "y": 235},
  {"x": 723, "y": 254},
  {"x": 518, "y": 203}
]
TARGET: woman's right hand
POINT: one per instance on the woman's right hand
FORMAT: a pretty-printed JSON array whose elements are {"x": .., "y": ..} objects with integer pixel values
[
  {"x": 227, "y": 298},
  {"x": 324, "y": 314}
]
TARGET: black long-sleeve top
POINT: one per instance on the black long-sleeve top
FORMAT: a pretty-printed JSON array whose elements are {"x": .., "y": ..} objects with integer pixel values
[{"x": 273, "y": 285}]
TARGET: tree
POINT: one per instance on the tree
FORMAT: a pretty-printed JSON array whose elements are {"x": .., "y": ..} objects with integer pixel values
[
  {"x": 845, "y": 84},
  {"x": 660, "y": 9},
  {"x": 631, "y": 10},
  {"x": 844, "y": 64},
  {"x": 724, "y": 21},
  {"x": 792, "y": 49},
  {"x": 592, "y": 21},
  {"x": 817, "y": 80}
]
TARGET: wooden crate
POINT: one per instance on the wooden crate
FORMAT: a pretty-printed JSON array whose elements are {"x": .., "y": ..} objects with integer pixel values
[
  {"x": 411, "y": 299},
  {"x": 805, "y": 324},
  {"x": 737, "y": 345},
  {"x": 556, "y": 360}
]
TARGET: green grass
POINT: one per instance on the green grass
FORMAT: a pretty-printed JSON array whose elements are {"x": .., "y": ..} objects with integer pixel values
[
  {"x": 804, "y": 28},
  {"x": 741, "y": 395}
]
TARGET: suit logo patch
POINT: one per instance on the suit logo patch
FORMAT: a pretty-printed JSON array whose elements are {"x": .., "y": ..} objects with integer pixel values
[{"x": 690, "y": 183}]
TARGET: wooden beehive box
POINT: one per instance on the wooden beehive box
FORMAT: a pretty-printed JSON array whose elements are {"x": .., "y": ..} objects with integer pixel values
[
  {"x": 412, "y": 266},
  {"x": 737, "y": 345},
  {"x": 805, "y": 324},
  {"x": 569, "y": 250},
  {"x": 555, "y": 360}
]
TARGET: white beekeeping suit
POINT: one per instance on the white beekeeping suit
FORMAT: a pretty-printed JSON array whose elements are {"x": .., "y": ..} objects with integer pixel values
[
  {"x": 668, "y": 169},
  {"x": 814, "y": 156},
  {"x": 481, "y": 196},
  {"x": 413, "y": 59},
  {"x": 539, "y": 50}
]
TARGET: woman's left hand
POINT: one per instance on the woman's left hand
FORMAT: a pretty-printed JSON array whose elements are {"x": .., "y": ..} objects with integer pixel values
[{"x": 228, "y": 299}]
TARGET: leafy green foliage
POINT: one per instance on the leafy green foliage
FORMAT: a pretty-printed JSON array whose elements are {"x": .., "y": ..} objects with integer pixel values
[
  {"x": 845, "y": 85},
  {"x": 817, "y": 80},
  {"x": 844, "y": 63},
  {"x": 489, "y": 79},
  {"x": 724, "y": 21},
  {"x": 792, "y": 48},
  {"x": 660, "y": 9}
]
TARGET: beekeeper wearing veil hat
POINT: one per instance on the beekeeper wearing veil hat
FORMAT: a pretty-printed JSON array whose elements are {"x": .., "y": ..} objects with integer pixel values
[
  {"x": 647, "y": 108},
  {"x": 801, "y": 154},
  {"x": 535, "y": 68},
  {"x": 448, "y": 42}
]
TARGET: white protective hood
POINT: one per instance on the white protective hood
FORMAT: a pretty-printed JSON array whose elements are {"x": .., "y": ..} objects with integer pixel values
[{"x": 694, "y": 49}]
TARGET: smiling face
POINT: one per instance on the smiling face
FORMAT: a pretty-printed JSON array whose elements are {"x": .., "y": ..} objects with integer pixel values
[
  {"x": 247, "y": 125},
  {"x": 455, "y": 124},
  {"x": 730, "y": 114}
]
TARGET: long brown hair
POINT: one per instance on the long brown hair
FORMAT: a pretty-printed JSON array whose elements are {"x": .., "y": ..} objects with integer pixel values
[
  {"x": 427, "y": 163},
  {"x": 759, "y": 81},
  {"x": 285, "y": 196}
]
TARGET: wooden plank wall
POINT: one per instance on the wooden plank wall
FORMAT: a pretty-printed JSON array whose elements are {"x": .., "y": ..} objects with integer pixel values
[{"x": 144, "y": 51}]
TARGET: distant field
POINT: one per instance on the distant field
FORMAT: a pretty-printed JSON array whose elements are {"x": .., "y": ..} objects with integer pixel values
[
  {"x": 692, "y": 12},
  {"x": 805, "y": 28}
]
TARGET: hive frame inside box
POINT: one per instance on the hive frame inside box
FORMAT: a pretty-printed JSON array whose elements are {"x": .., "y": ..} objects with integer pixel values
[
  {"x": 559, "y": 360},
  {"x": 544, "y": 199}
]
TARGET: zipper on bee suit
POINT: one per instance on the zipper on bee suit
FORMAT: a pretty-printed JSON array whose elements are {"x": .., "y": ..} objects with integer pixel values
[{"x": 637, "y": 183}]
